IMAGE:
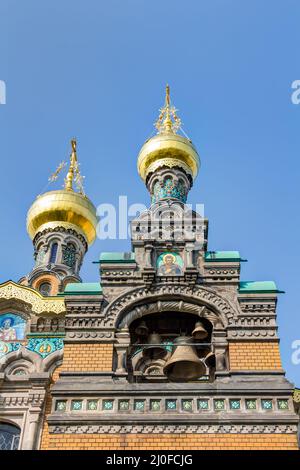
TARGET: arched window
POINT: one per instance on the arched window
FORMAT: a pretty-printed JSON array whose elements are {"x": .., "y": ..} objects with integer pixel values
[
  {"x": 9, "y": 437},
  {"x": 45, "y": 288},
  {"x": 53, "y": 253},
  {"x": 69, "y": 255}
]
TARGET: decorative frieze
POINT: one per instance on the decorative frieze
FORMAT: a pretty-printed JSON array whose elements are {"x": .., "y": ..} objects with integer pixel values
[
  {"x": 43, "y": 346},
  {"x": 174, "y": 429},
  {"x": 165, "y": 405}
]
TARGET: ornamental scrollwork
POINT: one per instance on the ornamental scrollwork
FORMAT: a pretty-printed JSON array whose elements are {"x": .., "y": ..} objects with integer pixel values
[{"x": 39, "y": 304}]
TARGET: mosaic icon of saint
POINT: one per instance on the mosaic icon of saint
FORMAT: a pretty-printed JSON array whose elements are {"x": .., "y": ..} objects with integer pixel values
[
  {"x": 7, "y": 331},
  {"x": 169, "y": 267}
]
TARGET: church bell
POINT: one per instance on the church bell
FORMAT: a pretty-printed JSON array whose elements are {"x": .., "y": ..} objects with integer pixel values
[
  {"x": 154, "y": 349},
  {"x": 199, "y": 331},
  {"x": 184, "y": 364},
  {"x": 142, "y": 329}
]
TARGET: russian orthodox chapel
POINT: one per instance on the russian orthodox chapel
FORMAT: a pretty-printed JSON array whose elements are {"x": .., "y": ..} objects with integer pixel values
[{"x": 168, "y": 349}]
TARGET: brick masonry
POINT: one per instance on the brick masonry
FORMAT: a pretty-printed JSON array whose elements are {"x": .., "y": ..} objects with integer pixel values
[
  {"x": 254, "y": 356},
  {"x": 170, "y": 442},
  {"x": 87, "y": 357}
]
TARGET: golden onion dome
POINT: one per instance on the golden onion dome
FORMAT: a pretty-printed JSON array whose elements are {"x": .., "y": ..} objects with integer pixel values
[
  {"x": 64, "y": 208},
  {"x": 167, "y": 148}
]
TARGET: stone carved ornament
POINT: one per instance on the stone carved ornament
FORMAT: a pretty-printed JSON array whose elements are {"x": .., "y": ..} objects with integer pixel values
[
  {"x": 175, "y": 429},
  {"x": 189, "y": 295}
]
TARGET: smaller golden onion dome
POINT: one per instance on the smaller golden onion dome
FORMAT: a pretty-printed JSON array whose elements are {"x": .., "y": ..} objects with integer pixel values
[
  {"x": 167, "y": 148},
  {"x": 64, "y": 208}
]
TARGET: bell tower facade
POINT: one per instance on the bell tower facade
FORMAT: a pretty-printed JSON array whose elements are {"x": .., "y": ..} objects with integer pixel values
[{"x": 168, "y": 350}]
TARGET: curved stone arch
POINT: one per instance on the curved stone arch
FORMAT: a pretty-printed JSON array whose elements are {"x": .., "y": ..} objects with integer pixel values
[
  {"x": 51, "y": 362},
  {"x": 172, "y": 306},
  {"x": 22, "y": 353},
  {"x": 194, "y": 296}
]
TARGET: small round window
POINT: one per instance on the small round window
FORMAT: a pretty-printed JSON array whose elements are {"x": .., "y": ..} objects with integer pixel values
[{"x": 45, "y": 288}]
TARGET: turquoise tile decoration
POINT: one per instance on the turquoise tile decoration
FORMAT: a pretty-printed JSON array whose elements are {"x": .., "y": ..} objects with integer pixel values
[
  {"x": 45, "y": 346},
  {"x": 61, "y": 405},
  {"x": 139, "y": 405},
  {"x": 219, "y": 405},
  {"x": 171, "y": 404},
  {"x": 283, "y": 404},
  {"x": 6, "y": 347},
  {"x": 76, "y": 405},
  {"x": 266, "y": 404},
  {"x": 250, "y": 404},
  {"x": 92, "y": 405},
  {"x": 203, "y": 405},
  {"x": 235, "y": 404},
  {"x": 107, "y": 405},
  {"x": 123, "y": 405},
  {"x": 187, "y": 405}
]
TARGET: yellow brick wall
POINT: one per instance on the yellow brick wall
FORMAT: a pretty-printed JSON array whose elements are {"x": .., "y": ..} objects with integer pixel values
[
  {"x": 87, "y": 357},
  {"x": 254, "y": 356},
  {"x": 98, "y": 357},
  {"x": 170, "y": 441}
]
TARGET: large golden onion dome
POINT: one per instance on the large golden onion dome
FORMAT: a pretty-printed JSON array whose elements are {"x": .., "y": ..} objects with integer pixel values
[
  {"x": 167, "y": 148},
  {"x": 64, "y": 208}
]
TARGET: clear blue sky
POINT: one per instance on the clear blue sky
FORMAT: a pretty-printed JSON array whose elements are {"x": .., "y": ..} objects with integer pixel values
[{"x": 97, "y": 70}]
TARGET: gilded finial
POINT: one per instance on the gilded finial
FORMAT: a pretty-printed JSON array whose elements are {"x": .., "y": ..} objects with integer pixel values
[
  {"x": 168, "y": 121},
  {"x": 73, "y": 174}
]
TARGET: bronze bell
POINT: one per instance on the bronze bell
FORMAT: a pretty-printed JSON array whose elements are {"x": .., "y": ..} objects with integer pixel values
[
  {"x": 142, "y": 329},
  {"x": 199, "y": 331},
  {"x": 154, "y": 349},
  {"x": 210, "y": 360},
  {"x": 184, "y": 364}
]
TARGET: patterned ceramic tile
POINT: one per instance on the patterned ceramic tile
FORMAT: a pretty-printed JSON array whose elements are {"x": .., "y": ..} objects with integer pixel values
[
  {"x": 283, "y": 404},
  {"x": 235, "y": 404},
  {"x": 61, "y": 405},
  {"x": 266, "y": 404},
  {"x": 155, "y": 405},
  {"x": 92, "y": 405},
  {"x": 76, "y": 405},
  {"x": 203, "y": 405},
  {"x": 219, "y": 404},
  {"x": 250, "y": 404},
  {"x": 170, "y": 404},
  {"x": 187, "y": 405},
  {"x": 139, "y": 405},
  {"x": 123, "y": 405},
  {"x": 107, "y": 405}
]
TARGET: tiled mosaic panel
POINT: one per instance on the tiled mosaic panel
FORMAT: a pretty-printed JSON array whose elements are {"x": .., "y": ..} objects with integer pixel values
[{"x": 172, "y": 404}]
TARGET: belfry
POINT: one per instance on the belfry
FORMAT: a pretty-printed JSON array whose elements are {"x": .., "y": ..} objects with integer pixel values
[{"x": 167, "y": 350}]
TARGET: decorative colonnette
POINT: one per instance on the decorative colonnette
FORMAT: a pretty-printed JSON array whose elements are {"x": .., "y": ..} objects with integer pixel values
[
  {"x": 169, "y": 188},
  {"x": 41, "y": 345},
  {"x": 170, "y": 404}
]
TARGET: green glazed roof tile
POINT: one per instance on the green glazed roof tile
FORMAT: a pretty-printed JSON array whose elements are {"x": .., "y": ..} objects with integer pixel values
[
  {"x": 258, "y": 286},
  {"x": 222, "y": 256},
  {"x": 83, "y": 288},
  {"x": 117, "y": 257}
]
